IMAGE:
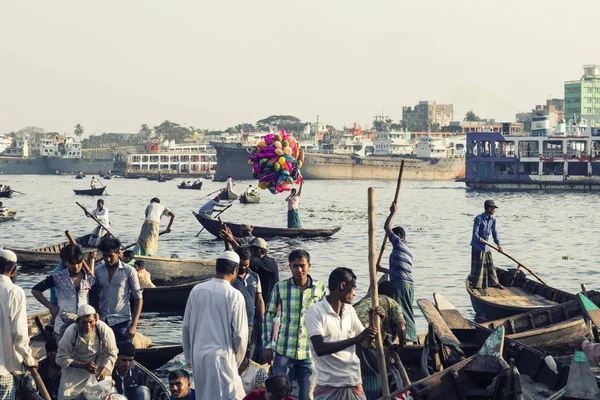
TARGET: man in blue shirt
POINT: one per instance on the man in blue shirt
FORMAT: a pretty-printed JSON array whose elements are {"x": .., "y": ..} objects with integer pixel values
[
  {"x": 483, "y": 272},
  {"x": 401, "y": 260}
]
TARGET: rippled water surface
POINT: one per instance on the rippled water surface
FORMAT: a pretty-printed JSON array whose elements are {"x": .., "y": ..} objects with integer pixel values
[{"x": 555, "y": 234}]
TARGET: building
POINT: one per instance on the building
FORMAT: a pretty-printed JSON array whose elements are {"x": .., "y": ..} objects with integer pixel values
[
  {"x": 582, "y": 97},
  {"x": 427, "y": 115},
  {"x": 464, "y": 127},
  {"x": 554, "y": 109},
  {"x": 19, "y": 148},
  {"x": 5, "y": 141}
]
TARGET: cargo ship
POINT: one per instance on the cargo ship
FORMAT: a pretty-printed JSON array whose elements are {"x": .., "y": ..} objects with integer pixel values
[{"x": 567, "y": 159}]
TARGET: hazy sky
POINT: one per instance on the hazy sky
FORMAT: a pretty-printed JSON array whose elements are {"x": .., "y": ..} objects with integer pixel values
[{"x": 113, "y": 65}]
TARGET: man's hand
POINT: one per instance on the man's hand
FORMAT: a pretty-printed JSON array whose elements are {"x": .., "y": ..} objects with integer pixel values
[
  {"x": 367, "y": 334},
  {"x": 54, "y": 309},
  {"x": 243, "y": 366},
  {"x": 269, "y": 356},
  {"x": 393, "y": 208},
  {"x": 130, "y": 332},
  {"x": 168, "y": 230},
  {"x": 35, "y": 365},
  {"x": 102, "y": 374},
  {"x": 90, "y": 367},
  {"x": 579, "y": 342},
  {"x": 500, "y": 248},
  {"x": 377, "y": 310}
]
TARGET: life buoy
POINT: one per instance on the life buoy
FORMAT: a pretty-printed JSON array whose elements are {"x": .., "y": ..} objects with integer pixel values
[
  {"x": 249, "y": 149},
  {"x": 75, "y": 160}
]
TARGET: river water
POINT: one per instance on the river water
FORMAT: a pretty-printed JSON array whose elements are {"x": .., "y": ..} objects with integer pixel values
[{"x": 554, "y": 233}]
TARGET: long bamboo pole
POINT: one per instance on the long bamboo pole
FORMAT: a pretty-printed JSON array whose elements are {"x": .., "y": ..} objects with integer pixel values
[
  {"x": 385, "y": 389},
  {"x": 398, "y": 184},
  {"x": 40, "y": 383},
  {"x": 519, "y": 263}
]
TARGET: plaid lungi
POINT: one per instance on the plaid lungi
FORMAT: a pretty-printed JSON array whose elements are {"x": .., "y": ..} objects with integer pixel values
[
  {"x": 483, "y": 272},
  {"x": 8, "y": 387}
]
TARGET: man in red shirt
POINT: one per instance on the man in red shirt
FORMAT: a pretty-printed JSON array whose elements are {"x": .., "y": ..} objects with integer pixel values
[{"x": 276, "y": 388}]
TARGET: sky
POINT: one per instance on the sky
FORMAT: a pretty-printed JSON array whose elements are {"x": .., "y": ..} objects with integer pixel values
[{"x": 114, "y": 65}]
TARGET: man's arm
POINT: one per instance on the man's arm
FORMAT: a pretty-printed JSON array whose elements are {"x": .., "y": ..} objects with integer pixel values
[
  {"x": 260, "y": 308},
  {"x": 323, "y": 348},
  {"x": 136, "y": 291},
  {"x": 476, "y": 224},
  {"x": 170, "y": 221},
  {"x": 19, "y": 329},
  {"x": 270, "y": 314},
  {"x": 300, "y": 190},
  {"x": 226, "y": 235},
  {"x": 240, "y": 329},
  {"x": 388, "y": 221},
  {"x": 495, "y": 236},
  {"x": 37, "y": 293}
]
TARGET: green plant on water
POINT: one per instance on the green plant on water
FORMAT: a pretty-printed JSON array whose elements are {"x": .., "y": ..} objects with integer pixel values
[
  {"x": 311, "y": 210},
  {"x": 311, "y": 215},
  {"x": 568, "y": 258}
]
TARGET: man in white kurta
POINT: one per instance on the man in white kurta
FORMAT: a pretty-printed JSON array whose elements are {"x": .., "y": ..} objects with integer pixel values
[{"x": 215, "y": 333}]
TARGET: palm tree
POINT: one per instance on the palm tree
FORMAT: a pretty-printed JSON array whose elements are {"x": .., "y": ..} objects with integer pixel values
[
  {"x": 78, "y": 130},
  {"x": 145, "y": 130}
]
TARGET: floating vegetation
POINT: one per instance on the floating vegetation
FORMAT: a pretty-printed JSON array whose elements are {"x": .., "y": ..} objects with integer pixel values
[
  {"x": 568, "y": 258},
  {"x": 311, "y": 215}
]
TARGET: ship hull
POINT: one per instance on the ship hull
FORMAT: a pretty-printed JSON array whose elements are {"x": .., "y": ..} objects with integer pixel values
[
  {"x": 48, "y": 166},
  {"x": 22, "y": 166},
  {"x": 232, "y": 160}
]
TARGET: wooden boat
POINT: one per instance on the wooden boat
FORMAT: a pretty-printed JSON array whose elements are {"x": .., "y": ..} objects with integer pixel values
[
  {"x": 79, "y": 176},
  {"x": 47, "y": 256},
  {"x": 168, "y": 298},
  {"x": 107, "y": 177},
  {"x": 245, "y": 199},
  {"x": 225, "y": 195},
  {"x": 158, "y": 178},
  {"x": 91, "y": 192},
  {"x": 214, "y": 226},
  {"x": 195, "y": 186},
  {"x": 520, "y": 295},
  {"x": 9, "y": 216},
  {"x": 6, "y": 194}
]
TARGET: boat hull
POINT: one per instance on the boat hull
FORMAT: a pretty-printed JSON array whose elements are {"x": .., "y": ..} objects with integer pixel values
[
  {"x": 249, "y": 199},
  {"x": 10, "y": 216},
  {"x": 168, "y": 298},
  {"x": 90, "y": 192},
  {"x": 214, "y": 226},
  {"x": 175, "y": 271},
  {"x": 6, "y": 194},
  {"x": 225, "y": 195}
]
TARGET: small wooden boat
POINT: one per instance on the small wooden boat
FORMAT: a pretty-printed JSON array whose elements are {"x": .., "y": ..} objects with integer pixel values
[
  {"x": 9, "y": 216},
  {"x": 168, "y": 298},
  {"x": 48, "y": 256},
  {"x": 250, "y": 199},
  {"x": 107, "y": 177},
  {"x": 79, "y": 176},
  {"x": 194, "y": 186},
  {"x": 214, "y": 226},
  {"x": 159, "y": 178},
  {"x": 6, "y": 194},
  {"x": 91, "y": 192},
  {"x": 520, "y": 295},
  {"x": 225, "y": 195}
]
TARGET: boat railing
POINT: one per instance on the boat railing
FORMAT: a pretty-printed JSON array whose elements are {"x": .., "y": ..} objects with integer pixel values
[
  {"x": 596, "y": 153},
  {"x": 552, "y": 153},
  {"x": 529, "y": 154}
]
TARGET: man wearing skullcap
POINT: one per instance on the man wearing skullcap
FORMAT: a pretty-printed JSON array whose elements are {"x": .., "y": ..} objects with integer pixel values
[
  {"x": 215, "y": 333},
  {"x": 15, "y": 352},
  {"x": 86, "y": 353}
]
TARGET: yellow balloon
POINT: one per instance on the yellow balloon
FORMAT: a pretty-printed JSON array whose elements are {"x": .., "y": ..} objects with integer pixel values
[
  {"x": 279, "y": 152},
  {"x": 281, "y": 161},
  {"x": 287, "y": 150},
  {"x": 278, "y": 144},
  {"x": 262, "y": 144}
]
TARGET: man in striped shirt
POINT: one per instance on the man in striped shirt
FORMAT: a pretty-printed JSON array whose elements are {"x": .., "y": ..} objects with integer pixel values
[
  {"x": 290, "y": 352},
  {"x": 401, "y": 260}
]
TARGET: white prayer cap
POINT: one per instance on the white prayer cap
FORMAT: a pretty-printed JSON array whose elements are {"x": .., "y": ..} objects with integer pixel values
[
  {"x": 230, "y": 256},
  {"x": 84, "y": 310},
  {"x": 9, "y": 255}
]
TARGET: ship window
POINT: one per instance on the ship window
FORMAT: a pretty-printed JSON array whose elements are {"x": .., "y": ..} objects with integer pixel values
[
  {"x": 164, "y": 159},
  {"x": 174, "y": 167},
  {"x": 164, "y": 166},
  {"x": 529, "y": 148},
  {"x": 153, "y": 166},
  {"x": 578, "y": 168},
  {"x": 185, "y": 158},
  {"x": 529, "y": 168},
  {"x": 552, "y": 149},
  {"x": 486, "y": 148},
  {"x": 144, "y": 158},
  {"x": 153, "y": 158},
  {"x": 195, "y": 158},
  {"x": 504, "y": 168},
  {"x": 135, "y": 159},
  {"x": 553, "y": 168},
  {"x": 505, "y": 149},
  {"x": 174, "y": 158},
  {"x": 576, "y": 149},
  {"x": 595, "y": 148},
  {"x": 472, "y": 148}
]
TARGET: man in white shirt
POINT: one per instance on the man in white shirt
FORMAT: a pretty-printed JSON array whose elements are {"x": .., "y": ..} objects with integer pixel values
[
  {"x": 147, "y": 244},
  {"x": 334, "y": 330},
  {"x": 94, "y": 182},
  {"x": 3, "y": 210},
  {"x": 14, "y": 338},
  {"x": 215, "y": 333},
  {"x": 101, "y": 214},
  {"x": 206, "y": 210}
]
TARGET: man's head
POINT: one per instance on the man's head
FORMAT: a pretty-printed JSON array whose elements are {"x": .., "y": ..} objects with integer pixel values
[
  {"x": 51, "y": 346},
  {"x": 72, "y": 258},
  {"x": 246, "y": 230},
  {"x": 277, "y": 388},
  {"x": 155, "y": 200},
  {"x": 245, "y": 256},
  {"x": 259, "y": 247},
  {"x": 100, "y": 204},
  {"x": 0, "y": 201},
  {"x": 399, "y": 231},
  {"x": 490, "y": 207},
  {"x": 111, "y": 249},
  {"x": 179, "y": 383},
  {"x": 125, "y": 357},
  {"x": 342, "y": 283},
  {"x": 86, "y": 319},
  {"x": 128, "y": 256},
  {"x": 227, "y": 265},
  {"x": 8, "y": 263},
  {"x": 299, "y": 265},
  {"x": 217, "y": 199},
  {"x": 293, "y": 192},
  {"x": 139, "y": 265}
]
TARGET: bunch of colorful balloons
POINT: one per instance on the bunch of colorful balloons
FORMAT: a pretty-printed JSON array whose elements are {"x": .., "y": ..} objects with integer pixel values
[{"x": 276, "y": 162}]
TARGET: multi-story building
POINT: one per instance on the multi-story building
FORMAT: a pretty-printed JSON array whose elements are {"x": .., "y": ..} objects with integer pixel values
[
  {"x": 464, "y": 127},
  {"x": 427, "y": 115},
  {"x": 582, "y": 97},
  {"x": 554, "y": 109}
]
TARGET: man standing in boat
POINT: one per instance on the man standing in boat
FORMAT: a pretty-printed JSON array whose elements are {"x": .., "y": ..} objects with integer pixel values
[
  {"x": 293, "y": 201},
  {"x": 147, "y": 244},
  {"x": 101, "y": 215},
  {"x": 94, "y": 182},
  {"x": 483, "y": 272}
]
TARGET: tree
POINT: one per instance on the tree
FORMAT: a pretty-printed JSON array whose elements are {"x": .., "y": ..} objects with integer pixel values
[
  {"x": 78, "y": 131},
  {"x": 471, "y": 116},
  {"x": 30, "y": 133},
  {"x": 381, "y": 124},
  {"x": 245, "y": 127},
  {"x": 145, "y": 131},
  {"x": 172, "y": 131},
  {"x": 287, "y": 123}
]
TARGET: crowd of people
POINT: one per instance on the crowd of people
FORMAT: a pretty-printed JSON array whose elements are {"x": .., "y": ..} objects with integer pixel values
[{"x": 5, "y": 188}]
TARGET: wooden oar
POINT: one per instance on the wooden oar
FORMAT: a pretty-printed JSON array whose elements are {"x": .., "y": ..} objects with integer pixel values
[
  {"x": 85, "y": 265},
  {"x": 385, "y": 389},
  {"x": 134, "y": 243},
  {"x": 39, "y": 383},
  {"x": 519, "y": 263},
  {"x": 16, "y": 191},
  {"x": 211, "y": 193},
  {"x": 385, "y": 239},
  {"x": 94, "y": 218},
  {"x": 398, "y": 361},
  {"x": 216, "y": 217}
]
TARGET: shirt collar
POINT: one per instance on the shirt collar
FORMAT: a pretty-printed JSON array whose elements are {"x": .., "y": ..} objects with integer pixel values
[
  {"x": 5, "y": 278},
  {"x": 310, "y": 282},
  {"x": 330, "y": 309}
]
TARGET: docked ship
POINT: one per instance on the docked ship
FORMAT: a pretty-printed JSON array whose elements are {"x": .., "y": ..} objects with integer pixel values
[
  {"x": 367, "y": 161},
  {"x": 567, "y": 159}
]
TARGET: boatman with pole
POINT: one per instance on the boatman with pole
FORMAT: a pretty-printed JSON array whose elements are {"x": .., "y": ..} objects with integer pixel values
[
  {"x": 483, "y": 272},
  {"x": 94, "y": 182},
  {"x": 147, "y": 244}
]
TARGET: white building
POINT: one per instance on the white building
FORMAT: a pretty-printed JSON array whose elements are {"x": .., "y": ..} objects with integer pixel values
[
  {"x": 62, "y": 148},
  {"x": 4, "y": 143},
  {"x": 19, "y": 148}
]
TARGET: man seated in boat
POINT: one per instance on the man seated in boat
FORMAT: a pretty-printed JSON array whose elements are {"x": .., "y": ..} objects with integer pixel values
[
  {"x": 251, "y": 191},
  {"x": 143, "y": 275},
  {"x": 126, "y": 375},
  {"x": 590, "y": 349},
  {"x": 3, "y": 210},
  {"x": 7, "y": 188},
  {"x": 179, "y": 385},
  {"x": 207, "y": 209},
  {"x": 183, "y": 184},
  {"x": 483, "y": 271},
  {"x": 128, "y": 257},
  {"x": 49, "y": 371}
]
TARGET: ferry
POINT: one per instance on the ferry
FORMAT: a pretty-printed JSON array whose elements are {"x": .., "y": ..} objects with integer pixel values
[{"x": 567, "y": 159}]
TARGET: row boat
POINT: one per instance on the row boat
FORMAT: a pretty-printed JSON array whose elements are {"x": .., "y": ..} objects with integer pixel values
[
  {"x": 214, "y": 226},
  {"x": 152, "y": 357},
  {"x": 9, "y": 216},
  {"x": 6, "y": 193},
  {"x": 168, "y": 298},
  {"x": 225, "y": 195},
  {"x": 91, "y": 192},
  {"x": 250, "y": 199},
  {"x": 519, "y": 295},
  {"x": 194, "y": 186}
]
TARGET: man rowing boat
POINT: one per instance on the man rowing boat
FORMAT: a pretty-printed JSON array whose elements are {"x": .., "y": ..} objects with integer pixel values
[
  {"x": 483, "y": 272},
  {"x": 147, "y": 244}
]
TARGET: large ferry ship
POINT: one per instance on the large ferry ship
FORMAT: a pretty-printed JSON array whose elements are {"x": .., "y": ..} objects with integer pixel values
[{"x": 568, "y": 159}]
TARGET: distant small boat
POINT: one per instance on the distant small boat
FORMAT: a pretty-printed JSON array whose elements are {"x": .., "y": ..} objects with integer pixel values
[
  {"x": 91, "y": 192},
  {"x": 6, "y": 194},
  {"x": 195, "y": 186},
  {"x": 250, "y": 199},
  {"x": 107, "y": 177},
  {"x": 225, "y": 195},
  {"x": 79, "y": 176},
  {"x": 157, "y": 178},
  {"x": 11, "y": 215}
]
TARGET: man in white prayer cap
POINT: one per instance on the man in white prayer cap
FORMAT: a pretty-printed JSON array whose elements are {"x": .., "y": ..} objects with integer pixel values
[
  {"x": 86, "y": 353},
  {"x": 215, "y": 333},
  {"x": 15, "y": 352}
]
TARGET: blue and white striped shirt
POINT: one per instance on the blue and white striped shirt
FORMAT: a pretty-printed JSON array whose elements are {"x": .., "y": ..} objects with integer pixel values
[{"x": 401, "y": 259}]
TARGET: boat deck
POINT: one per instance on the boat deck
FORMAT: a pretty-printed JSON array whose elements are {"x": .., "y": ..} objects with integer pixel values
[{"x": 514, "y": 296}]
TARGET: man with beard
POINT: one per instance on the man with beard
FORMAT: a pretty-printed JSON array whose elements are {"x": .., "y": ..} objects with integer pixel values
[
  {"x": 86, "y": 353},
  {"x": 14, "y": 338}
]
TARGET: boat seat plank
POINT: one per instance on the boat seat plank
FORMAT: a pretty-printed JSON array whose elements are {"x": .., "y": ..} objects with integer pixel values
[
  {"x": 450, "y": 314},
  {"x": 442, "y": 330}
]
